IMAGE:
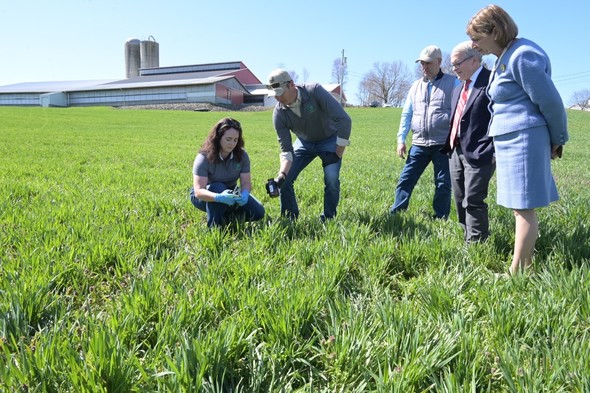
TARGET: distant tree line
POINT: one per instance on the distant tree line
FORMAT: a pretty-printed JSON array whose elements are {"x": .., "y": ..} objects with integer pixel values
[{"x": 387, "y": 83}]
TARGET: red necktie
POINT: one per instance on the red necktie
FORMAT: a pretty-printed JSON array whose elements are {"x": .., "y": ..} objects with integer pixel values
[{"x": 459, "y": 113}]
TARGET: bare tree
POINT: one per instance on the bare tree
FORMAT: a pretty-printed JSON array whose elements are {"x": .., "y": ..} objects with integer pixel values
[
  {"x": 386, "y": 82},
  {"x": 364, "y": 93},
  {"x": 340, "y": 73},
  {"x": 581, "y": 99},
  {"x": 294, "y": 75},
  {"x": 305, "y": 75},
  {"x": 447, "y": 66}
]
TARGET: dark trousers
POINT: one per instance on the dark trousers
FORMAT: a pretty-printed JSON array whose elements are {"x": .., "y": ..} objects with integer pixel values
[{"x": 470, "y": 188}]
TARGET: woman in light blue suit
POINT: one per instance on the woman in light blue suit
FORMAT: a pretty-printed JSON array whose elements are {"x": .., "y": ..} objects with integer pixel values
[{"x": 529, "y": 124}]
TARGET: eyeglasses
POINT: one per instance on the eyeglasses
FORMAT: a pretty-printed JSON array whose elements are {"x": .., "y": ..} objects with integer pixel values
[
  {"x": 456, "y": 65},
  {"x": 276, "y": 85},
  {"x": 229, "y": 123}
]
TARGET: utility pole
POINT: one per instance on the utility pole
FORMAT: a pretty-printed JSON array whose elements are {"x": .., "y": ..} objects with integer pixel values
[{"x": 341, "y": 81}]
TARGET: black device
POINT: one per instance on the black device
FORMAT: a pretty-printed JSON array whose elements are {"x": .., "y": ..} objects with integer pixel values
[{"x": 272, "y": 188}]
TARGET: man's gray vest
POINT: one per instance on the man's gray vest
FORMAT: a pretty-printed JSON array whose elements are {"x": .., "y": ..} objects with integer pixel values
[{"x": 432, "y": 115}]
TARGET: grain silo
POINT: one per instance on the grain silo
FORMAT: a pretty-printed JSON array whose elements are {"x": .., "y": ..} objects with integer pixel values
[
  {"x": 150, "y": 53},
  {"x": 132, "y": 57}
]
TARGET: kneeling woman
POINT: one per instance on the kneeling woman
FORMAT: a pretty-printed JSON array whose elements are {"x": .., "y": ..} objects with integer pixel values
[{"x": 221, "y": 161}]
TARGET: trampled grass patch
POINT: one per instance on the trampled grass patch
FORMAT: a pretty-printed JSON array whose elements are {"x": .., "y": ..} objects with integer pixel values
[{"x": 111, "y": 281}]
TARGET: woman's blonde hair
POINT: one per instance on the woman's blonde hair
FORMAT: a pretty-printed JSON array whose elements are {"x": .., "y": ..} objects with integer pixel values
[{"x": 493, "y": 20}]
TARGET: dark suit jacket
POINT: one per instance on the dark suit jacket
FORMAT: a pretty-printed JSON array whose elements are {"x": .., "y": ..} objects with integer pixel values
[{"x": 477, "y": 147}]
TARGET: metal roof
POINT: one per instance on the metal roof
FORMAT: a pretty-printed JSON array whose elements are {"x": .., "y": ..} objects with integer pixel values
[
  {"x": 197, "y": 74},
  {"x": 125, "y": 84},
  {"x": 48, "y": 87},
  {"x": 167, "y": 77},
  {"x": 118, "y": 84},
  {"x": 212, "y": 67}
]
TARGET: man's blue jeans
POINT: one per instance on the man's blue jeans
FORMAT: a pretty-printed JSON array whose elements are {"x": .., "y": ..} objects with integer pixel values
[
  {"x": 418, "y": 159},
  {"x": 218, "y": 213},
  {"x": 304, "y": 154}
]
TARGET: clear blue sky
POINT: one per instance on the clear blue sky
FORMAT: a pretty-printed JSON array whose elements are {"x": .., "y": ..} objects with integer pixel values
[{"x": 58, "y": 40}]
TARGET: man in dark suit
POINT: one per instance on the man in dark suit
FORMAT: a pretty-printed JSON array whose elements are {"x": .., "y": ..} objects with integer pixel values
[{"x": 471, "y": 151}]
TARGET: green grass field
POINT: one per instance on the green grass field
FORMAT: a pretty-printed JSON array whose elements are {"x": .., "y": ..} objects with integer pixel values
[{"x": 110, "y": 280}]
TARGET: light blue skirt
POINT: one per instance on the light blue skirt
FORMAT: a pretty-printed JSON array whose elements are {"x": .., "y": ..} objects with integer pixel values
[{"x": 523, "y": 169}]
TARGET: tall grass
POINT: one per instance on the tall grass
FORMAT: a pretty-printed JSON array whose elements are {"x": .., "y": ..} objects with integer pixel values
[{"x": 111, "y": 281}]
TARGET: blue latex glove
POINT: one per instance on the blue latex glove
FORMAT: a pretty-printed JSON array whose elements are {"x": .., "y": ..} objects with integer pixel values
[
  {"x": 244, "y": 198},
  {"x": 226, "y": 197}
]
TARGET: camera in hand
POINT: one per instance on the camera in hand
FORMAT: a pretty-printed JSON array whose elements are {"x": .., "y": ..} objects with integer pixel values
[{"x": 272, "y": 188}]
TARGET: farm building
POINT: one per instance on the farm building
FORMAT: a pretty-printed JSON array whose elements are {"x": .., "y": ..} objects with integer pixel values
[
  {"x": 207, "y": 83},
  {"x": 147, "y": 83}
]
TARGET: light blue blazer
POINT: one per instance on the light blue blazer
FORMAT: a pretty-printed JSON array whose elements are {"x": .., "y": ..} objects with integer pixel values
[{"x": 522, "y": 94}]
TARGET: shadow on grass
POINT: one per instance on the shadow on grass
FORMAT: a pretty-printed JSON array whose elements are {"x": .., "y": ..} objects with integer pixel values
[
  {"x": 570, "y": 241},
  {"x": 397, "y": 225}
]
